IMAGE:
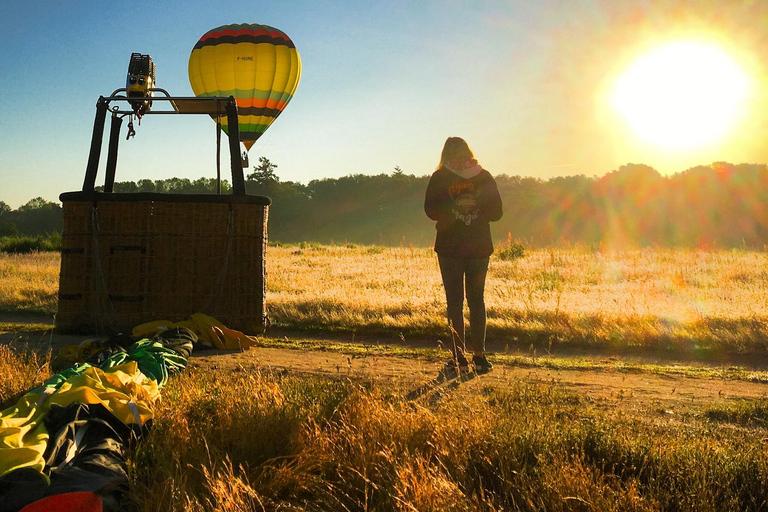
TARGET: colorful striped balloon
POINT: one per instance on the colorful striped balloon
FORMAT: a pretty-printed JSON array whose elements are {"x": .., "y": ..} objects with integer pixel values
[{"x": 257, "y": 64}]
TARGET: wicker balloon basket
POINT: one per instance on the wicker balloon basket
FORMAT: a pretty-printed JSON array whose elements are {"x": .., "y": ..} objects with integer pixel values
[{"x": 132, "y": 258}]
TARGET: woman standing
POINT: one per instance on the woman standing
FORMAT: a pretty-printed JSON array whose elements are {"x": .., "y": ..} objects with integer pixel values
[{"x": 463, "y": 198}]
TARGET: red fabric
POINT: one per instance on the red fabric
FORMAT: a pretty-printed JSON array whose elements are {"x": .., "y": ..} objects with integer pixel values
[
  {"x": 67, "y": 502},
  {"x": 229, "y": 30}
]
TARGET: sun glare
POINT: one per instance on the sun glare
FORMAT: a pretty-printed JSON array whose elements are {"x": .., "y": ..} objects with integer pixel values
[{"x": 682, "y": 95}]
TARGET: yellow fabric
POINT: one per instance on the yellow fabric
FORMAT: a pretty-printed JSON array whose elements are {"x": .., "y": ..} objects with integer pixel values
[
  {"x": 80, "y": 352},
  {"x": 150, "y": 329},
  {"x": 23, "y": 436},
  {"x": 189, "y": 324},
  {"x": 210, "y": 332},
  {"x": 245, "y": 67}
]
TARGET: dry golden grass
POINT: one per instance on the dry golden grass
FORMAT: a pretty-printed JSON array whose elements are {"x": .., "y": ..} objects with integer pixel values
[
  {"x": 29, "y": 283},
  {"x": 700, "y": 302},
  {"x": 355, "y": 288},
  {"x": 255, "y": 441},
  {"x": 660, "y": 298},
  {"x": 21, "y": 372},
  {"x": 251, "y": 440}
]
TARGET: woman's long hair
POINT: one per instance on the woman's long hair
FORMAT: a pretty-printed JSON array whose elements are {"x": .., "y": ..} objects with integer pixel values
[{"x": 455, "y": 149}]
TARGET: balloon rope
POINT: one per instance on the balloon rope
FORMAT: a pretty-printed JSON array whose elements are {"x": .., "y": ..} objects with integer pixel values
[{"x": 218, "y": 154}]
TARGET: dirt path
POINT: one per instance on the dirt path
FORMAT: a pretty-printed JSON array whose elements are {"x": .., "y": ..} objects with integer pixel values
[
  {"x": 419, "y": 375},
  {"x": 665, "y": 393}
]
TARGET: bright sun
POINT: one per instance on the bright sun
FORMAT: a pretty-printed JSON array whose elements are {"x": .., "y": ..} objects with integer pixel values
[{"x": 682, "y": 95}]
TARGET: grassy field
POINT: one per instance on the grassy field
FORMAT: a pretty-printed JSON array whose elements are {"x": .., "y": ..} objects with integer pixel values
[
  {"x": 253, "y": 440},
  {"x": 268, "y": 443},
  {"x": 29, "y": 283},
  {"x": 701, "y": 303},
  {"x": 677, "y": 300}
]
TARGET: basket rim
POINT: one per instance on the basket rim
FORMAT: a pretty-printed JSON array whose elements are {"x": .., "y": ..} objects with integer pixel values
[{"x": 96, "y": 197}]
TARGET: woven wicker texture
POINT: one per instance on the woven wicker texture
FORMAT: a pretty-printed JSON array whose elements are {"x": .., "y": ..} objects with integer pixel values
[{"x": 127, "y": 262}]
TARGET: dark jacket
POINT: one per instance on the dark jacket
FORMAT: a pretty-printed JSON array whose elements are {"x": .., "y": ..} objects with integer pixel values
[{"x": 463, "y": 209}]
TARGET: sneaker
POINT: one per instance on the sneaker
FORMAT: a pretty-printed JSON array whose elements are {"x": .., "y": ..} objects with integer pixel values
[
  {"x": 482, "y": 364},
  {"x": 458, "y": 363}
]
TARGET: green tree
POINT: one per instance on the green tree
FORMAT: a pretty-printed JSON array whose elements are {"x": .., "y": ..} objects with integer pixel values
[
  {"x": 38, "y": 217},
  {"x": 37, "y": 203},
  {"x": 146, "y": 186},
  {"x": 264, "y": 173},
  {"x": 7, "y": 228}
]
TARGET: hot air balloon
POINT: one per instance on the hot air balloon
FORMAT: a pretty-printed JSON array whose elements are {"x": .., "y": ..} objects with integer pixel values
[{"x": 257, "y": 64}]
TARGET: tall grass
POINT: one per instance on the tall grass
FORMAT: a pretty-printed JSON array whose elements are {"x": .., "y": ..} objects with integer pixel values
[
  {"x": 255, "y": 441},
  {"x": 672, "y": 300},
  {"x": 701, "y": 303},
  {"x": 21, "y": 372},
  {"x": 29, "y": 283},
  {"x": 251, "y": 440}
]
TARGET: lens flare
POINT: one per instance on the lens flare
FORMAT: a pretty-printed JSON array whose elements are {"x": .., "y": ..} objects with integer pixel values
[{"x": 682, "y": 95}]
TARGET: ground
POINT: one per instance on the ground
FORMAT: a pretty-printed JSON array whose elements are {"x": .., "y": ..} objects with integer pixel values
[{"x": 668, "y": 394}]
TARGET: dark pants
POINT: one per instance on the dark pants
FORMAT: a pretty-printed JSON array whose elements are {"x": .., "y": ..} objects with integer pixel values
[{"x": 455, "y": 272}]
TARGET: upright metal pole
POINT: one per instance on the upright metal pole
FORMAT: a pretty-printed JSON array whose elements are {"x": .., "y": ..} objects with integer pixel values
[
  {"x": 114, "y": 141},
  {"x": 238, "y": 182},
  {"x": 96, "y": 139}
]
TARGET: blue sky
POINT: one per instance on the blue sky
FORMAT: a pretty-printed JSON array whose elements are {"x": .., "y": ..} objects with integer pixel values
[{"x": 383, "y": 84}]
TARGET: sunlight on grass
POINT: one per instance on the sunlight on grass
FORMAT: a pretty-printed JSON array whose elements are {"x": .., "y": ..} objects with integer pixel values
[
  {"x": 699, "y": 302},
  {"x": 255, "y": 441},
  {"x": 21, "y": 372},
  {"x": 252, "y": 440},
  {"x": 656, "y": 298},
  {"x": 29, "y": 283}
]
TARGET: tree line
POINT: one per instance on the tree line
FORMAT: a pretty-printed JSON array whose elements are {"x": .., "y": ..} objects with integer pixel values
[
  {"x": 718, "y": 205},
  {"x": 37, "y": 217}
]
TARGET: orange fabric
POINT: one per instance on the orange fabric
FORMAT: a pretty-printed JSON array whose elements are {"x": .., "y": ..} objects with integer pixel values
[{"x": 259, "y": 103}]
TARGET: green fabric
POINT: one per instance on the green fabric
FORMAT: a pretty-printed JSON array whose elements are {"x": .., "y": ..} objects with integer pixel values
[
  {"x": 57, "y": 380},
  {"x": 155, "y": 361},
  {"x": 23, "y": 436}
]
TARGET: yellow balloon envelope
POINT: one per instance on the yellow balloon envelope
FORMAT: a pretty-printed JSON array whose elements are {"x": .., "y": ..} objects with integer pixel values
[{"x": 257, "y": 64}]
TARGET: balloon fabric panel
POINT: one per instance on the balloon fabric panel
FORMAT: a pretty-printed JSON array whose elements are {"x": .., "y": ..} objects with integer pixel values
[
  {"x": 282, "y": 74},
  {"x": 224, "y": 67},
  {"x": 293, "y": 78},
  {"x": 266, "y": 69}
]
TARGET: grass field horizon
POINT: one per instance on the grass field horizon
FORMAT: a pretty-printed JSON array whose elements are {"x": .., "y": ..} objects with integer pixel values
[{"x": 699, "y": 303}]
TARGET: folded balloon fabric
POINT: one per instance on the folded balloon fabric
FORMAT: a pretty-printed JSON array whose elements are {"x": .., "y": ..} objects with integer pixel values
[
  {"x": 209, "y": 331},
  {"x": 85, "y": 464},
  {"x": 121, "y": 392}
]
